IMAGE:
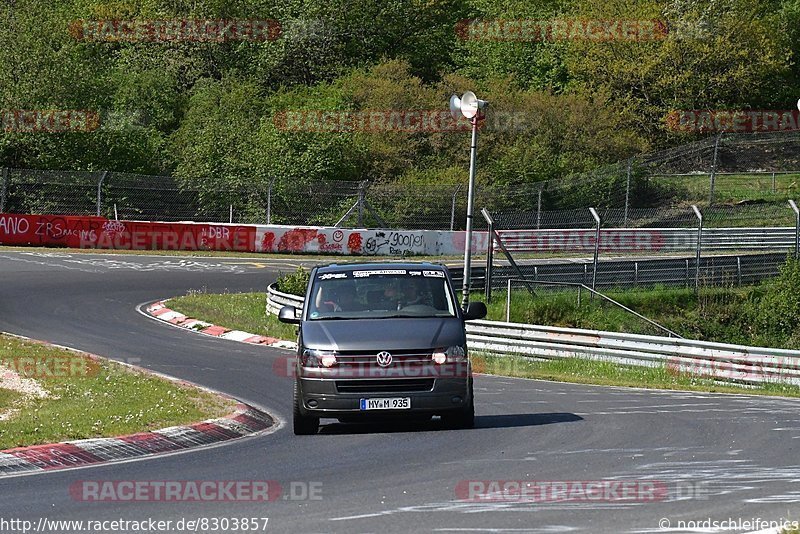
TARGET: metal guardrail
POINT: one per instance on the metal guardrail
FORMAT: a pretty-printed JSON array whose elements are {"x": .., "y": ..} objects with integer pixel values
[
  {"x": 277, "y": 300},
  {"x": 737, "y": 363},
  {"x": 653, "y": 240},
  {"x": 722, "y": 361},
  {"x": 714, "y": 270}
]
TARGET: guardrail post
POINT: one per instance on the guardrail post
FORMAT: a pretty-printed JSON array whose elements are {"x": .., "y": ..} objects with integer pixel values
[
  {"x": 699, "y": 245},
  {"x": 796, "y": 228},
  {"x": 3, "y": 189},
  {"x": 596, "y": 246},
  {"x": 99, "y": 186}
]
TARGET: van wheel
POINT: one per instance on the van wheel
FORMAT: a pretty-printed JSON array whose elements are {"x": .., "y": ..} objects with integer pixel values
[
  {"x": 303, "y": 425},
  {"x": 464, "y": 418}
]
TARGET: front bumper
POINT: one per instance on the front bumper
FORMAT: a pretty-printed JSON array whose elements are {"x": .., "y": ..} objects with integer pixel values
[{"x": 320, "y": 397}]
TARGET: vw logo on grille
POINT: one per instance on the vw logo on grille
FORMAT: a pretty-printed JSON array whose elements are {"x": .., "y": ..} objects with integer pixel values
[{"x": 384, "y": 359}]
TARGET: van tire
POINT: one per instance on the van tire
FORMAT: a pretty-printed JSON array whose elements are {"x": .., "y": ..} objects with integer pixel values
[
  {"x": 303, "y": 425},
  {"x": 464, "y": 418}
]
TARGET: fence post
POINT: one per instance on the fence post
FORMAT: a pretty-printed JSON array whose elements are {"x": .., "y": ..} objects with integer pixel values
[
  {"x": 361, "y": 195},
  {"x": 508, "y": 301},
  {"x": 596, "y": 246},
  {"x": 453, "y": 208},
  {"x": 714, "y": 169},
  {"x": 99, "y": 194},
  {"x": 627, "y": 194},
  {"x": 699, "y": 246},
  {"x": 687, "y": 273},
  {"x": 3, "y": 189},
  {"x": 739, "y": 270},
  {"x": 635, "y": 274},
  {"x": 489, "y": 257},
  {"x": 796, "y": 228},
  {"x": 774, "y": 190},
  {"x": 230, "y": 215},
  {"x": 539, "y": 209}
]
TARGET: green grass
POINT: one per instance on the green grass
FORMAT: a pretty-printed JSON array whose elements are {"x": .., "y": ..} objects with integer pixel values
[
  {"x": 580, "y": 371},
  {"x": 736, "y": 187},
  {"x": 7, "y": 399},
  {"x": 712, "y": 314},
  {"x": 108, "y": 400},
  {"x": 238, "y": 311}
]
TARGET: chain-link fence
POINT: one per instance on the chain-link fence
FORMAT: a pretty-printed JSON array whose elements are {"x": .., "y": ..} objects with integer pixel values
[{"x": 738, "y": 180}]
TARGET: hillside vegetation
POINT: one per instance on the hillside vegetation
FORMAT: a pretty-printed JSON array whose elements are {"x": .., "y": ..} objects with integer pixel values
[{"x": 214, "y": 113}]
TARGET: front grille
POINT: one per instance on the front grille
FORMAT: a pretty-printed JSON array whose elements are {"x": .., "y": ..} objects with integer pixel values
[
  {"x": 384, "y": 386},
  {"x": 398, "y": 357}
]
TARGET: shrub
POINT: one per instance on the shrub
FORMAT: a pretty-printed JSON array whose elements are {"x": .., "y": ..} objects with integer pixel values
[{"x": 294, "y": 283}]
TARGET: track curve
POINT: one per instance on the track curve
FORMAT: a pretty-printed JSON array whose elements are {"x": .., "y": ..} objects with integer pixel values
[{"x": 737, "y": 452}]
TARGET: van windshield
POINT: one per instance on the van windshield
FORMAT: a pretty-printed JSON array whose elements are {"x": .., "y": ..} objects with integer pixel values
[{"x": 381, "y": 293}]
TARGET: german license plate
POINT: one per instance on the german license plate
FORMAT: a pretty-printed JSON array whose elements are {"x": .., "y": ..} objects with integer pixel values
[{"x": 390, "y": 403}]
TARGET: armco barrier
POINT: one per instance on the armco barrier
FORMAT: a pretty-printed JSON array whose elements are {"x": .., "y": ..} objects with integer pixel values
[{"x": 722, "y": 361}]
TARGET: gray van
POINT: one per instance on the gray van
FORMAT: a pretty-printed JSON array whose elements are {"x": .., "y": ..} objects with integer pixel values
[{"x": 381, "y": 340}]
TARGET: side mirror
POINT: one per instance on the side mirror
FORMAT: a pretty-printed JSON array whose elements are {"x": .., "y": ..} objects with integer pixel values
[
  {"x": 288, "y": 314},
  {"x": 475, "y": 310}
]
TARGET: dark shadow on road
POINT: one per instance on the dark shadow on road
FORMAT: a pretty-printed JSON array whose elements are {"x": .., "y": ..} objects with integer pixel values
[
  {"x": 524, "y": 419},
  {"x": 481, "y": 422}
]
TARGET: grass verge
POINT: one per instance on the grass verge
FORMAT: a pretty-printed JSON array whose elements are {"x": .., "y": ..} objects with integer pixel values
[
  {"x": 7, "y": 398},
  {"x": 89, "y": 399},
  {"x": 239, "y": 311},
  {"x": 579, "y": 371}
]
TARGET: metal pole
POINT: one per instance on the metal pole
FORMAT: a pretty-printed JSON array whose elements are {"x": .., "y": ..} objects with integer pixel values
[
  {"x": 3, "y": 189},
  {"x": 508, "y": 302},
  {"x": 539, "y": 209},
  {"x": 714, "y": 169},
  {"x": 773, "y": 182},
  {"x": 627, "y": 194},
  {"x": 230, "y": 216},
  {"x": 489, "y": 257},
  {"x": 453, "y": 208},
  {"x": 470, "y": 195},
  {"x": 596, "y": 245},
  {"x": 116, "y": 215},
  {"x": 361, "y": 205},
  {"x": 796, "y": 228},
  {"x": 99, "y": 186},
  {"x": 699, "y": 246}
]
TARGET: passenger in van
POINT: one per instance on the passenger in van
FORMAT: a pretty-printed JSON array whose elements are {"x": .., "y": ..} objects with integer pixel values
[{"x": 336, "y": 299}]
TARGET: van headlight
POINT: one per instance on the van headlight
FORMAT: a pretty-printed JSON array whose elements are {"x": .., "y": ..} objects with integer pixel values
[
  {"x": 318, "y": 358},
  {"x": 455, "y": 353}
]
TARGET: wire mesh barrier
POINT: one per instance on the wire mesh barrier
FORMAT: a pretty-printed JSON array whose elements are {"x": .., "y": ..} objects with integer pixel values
[{"x": 737, "y": 179}]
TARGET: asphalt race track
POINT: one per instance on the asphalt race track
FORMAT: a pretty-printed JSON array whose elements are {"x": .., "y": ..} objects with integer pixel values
[{"x": 720, "y": 457}]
